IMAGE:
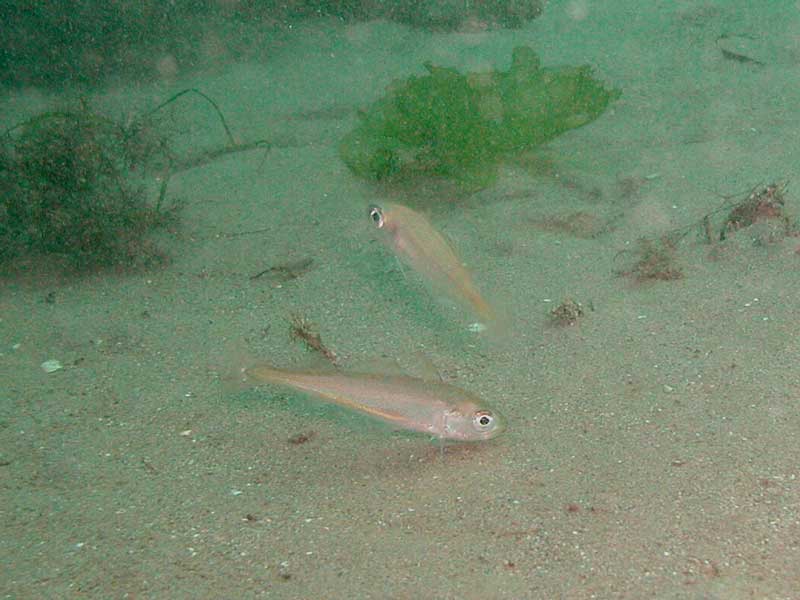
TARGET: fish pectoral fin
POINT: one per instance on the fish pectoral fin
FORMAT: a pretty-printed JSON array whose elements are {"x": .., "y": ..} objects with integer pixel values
[
  {"x": 381, "y": 366},
  {"x": 416, "y": 364},
  {"x": 422, "y": 366}
]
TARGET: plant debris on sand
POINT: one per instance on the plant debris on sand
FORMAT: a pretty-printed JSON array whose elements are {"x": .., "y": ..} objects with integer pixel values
[
  {"x": 653, "y": 260},
  {"x": 656, "y": 258},
  {"x": 762, "y": 204}
]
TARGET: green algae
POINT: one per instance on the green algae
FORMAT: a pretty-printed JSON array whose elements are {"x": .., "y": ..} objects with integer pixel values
[
  {"x": 66, "y": 191},
  {"x": 74, "y": 184},
  {"x": 447, "y": 124}
]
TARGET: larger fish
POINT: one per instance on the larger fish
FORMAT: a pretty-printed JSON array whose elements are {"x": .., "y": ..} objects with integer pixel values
[
  {"x": 416, "y": 241},
  {"x": 438, "y": 409}
]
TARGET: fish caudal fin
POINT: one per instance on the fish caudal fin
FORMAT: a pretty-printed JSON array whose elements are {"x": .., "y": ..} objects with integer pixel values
[{"x": 232, "y": 366}]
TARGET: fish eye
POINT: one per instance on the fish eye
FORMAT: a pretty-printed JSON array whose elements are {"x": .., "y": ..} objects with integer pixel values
[
  {"x": 483, "y": 420},
  {"x": 376, "y": 214}
]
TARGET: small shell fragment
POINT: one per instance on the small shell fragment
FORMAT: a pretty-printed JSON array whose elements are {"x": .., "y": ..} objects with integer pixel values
[{"x": 51, "y": 366}]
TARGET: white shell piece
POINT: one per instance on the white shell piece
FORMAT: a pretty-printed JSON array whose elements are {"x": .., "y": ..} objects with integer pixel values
[{"x": 51, "y": 366}]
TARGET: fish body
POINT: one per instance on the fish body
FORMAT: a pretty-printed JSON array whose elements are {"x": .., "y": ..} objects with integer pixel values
[
  {"x": 417, "y": 242},
  {"x": 438, "y": 409}
]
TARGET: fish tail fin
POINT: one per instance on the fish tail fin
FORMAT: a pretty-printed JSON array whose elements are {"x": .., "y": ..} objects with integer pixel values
[
  {"x": 258, "y": 373},
  {"x": 232, "y": 366}
]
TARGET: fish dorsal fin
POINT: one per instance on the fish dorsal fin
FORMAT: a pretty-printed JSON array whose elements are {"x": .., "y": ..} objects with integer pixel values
[
  {"x": 416, "y": 364},
  {"x": 315, "y": 363},
  {"x": 376, "y": 365},
  {"x": 421, "y": 365}
]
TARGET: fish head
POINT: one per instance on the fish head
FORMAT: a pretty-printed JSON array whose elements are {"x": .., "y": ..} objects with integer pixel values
[
  {"x": 391, "y": 218},
  {"x": 472, "y": 423},
  {"x": 391, "y": 221}
]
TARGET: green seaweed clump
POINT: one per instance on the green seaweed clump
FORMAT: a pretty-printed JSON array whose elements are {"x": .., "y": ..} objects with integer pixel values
[
  {"x": 446, "y": 124},
  {"x": 66, "y": 190},
  {"x": 73, "y": 184}
]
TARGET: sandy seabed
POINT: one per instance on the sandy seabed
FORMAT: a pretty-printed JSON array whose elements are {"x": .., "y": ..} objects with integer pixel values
[{"x": 652, "y": 447}]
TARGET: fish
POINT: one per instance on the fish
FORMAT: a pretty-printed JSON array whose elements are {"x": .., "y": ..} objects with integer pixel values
[
  {"x": 415, "y": 240},
  {"x": 441, "y": 410}
]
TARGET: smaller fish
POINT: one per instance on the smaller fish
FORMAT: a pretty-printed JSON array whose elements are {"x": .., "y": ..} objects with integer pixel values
[
  {"x": 415, "y": 240},
  {"x": 443, "y": 411}
]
